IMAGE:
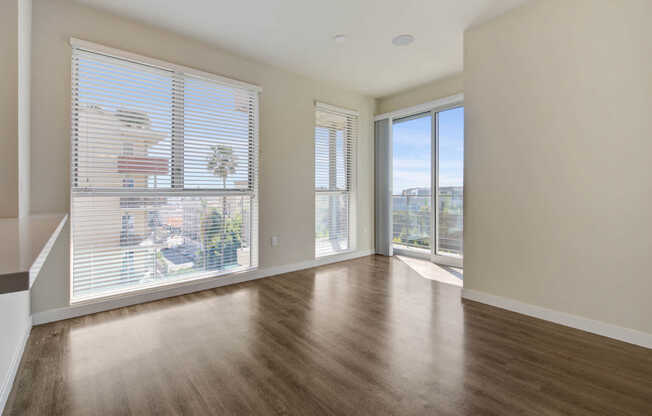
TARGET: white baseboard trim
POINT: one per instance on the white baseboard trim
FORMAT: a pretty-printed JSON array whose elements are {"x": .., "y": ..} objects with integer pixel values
[
  {"x": 628, "y": 335},
  {"x": 8, "y": 382},
  {"x": 162, "y": 292}
]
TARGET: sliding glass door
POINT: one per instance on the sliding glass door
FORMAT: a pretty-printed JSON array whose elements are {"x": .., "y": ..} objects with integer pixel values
[
  {"x": 449, "y": 177},
  {"x": 412, "y": 183},
  {"x": 428, "y": 185}
]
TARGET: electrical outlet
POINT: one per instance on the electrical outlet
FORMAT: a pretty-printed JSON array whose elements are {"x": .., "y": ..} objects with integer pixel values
[{"x": 275, "y": 241}]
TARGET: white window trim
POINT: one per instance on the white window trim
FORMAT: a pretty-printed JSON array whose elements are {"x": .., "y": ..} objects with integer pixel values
[
  {"x": 117, "y": 53},
  {"x": 435, "y": 105},
  {"x": 330, "y": 107}
]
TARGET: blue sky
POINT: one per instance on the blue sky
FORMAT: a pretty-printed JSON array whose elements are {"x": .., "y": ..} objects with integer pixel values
[{"x": 412, "y": 150}]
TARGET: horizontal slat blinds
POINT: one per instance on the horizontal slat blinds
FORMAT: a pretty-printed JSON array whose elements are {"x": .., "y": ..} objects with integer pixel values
[
  {"x": 164, "y": 174},
  {"x": 336, "y": 132}
]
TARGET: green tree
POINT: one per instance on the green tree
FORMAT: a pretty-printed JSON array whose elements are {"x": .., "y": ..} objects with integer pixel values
[{"x": 221, "y": 238}]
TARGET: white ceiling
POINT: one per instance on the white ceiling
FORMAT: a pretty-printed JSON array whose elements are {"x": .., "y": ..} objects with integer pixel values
[{"x": 297, "y": 34}]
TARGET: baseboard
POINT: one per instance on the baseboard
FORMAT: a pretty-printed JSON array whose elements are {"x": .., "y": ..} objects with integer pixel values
[
  {"x": 412, "y": 253},
  {"x": 76, "y": 310},
  {"x": 628, "y": 335},
  {"x": 8, "y": 382}
]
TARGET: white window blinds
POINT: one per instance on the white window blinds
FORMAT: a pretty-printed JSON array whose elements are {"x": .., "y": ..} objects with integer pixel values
[
  {"x": 336, "y": 132},
  {"x": 164, "y": 173}
]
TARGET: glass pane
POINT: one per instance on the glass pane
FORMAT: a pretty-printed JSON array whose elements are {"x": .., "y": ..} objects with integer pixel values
[
  {"x": 125, "y": 242},
  {"x": 332, "y": 223},
  {"x": 332, "y": 151},
  {"x": 217, "y": 123},
  {"x": 411, "y": 199},
  {"x": 451, "y": 181},
  {"x": 322, "y": 159},
  {"x": 340, "y": 160},
  {"x": 122, "y": 120}
]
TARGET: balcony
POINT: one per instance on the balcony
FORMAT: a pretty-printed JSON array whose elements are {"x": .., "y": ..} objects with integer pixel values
[
  {"x": 411, "y": 221},
  {"x": 451, "y": 221},
  {"x": 411, "y": 216}
]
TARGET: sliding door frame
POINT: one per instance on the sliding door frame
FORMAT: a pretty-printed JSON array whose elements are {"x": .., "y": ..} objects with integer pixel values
[
  {"x": 411, "y": 252},
  {"x": 445, "y": 260},
  {"x": 433, "y": 108}
]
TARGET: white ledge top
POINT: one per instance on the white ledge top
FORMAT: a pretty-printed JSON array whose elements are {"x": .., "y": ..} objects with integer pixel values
[{"x": 24, "y": 245}]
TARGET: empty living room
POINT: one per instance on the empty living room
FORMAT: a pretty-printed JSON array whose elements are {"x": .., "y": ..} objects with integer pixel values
[{"x": 298, "y": 207}]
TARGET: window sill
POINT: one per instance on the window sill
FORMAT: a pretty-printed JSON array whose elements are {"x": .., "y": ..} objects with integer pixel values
[
  {"x": 158, "y": 287},
  {"x": 338, "y": 253}
]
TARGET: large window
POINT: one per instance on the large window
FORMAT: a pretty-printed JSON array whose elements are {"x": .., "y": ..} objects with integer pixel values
[
  {"x": 336, "y": 131},
  {"x": 164, "y": 173}
]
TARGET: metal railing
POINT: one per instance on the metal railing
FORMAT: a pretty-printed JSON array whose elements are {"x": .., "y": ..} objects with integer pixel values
[
  {"x": 451, "y": 223},
  {"x": 412, "y": 216}
]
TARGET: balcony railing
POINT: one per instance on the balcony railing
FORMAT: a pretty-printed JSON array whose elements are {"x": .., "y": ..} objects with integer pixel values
[
  {"x": 411, "y": 216},
  {"x": 450, "y": 223}
]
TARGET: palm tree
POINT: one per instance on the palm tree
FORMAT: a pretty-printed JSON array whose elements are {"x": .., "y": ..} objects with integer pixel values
[{"x": 222, "y": 163}]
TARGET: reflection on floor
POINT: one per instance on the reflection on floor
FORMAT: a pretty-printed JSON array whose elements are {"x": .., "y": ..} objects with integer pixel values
[
  {"x": 429, "y": 270},
  {"x": 358, "y": 337}
]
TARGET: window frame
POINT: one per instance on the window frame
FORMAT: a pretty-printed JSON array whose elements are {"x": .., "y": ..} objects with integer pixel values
[
  {"x": 350, "y": 139},
  {"x": 177, "y": 187}
]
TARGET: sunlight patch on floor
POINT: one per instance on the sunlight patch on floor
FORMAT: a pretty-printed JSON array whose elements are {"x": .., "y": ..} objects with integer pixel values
[{"x": 429, "y": 270}]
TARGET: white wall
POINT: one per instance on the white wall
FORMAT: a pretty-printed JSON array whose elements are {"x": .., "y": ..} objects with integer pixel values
[
  {"x": 15, "y": 323},
  {"x": 439, "y": 88},
  {"x": 286, "y": 132},
  {"x": 15, "y": 25},
  {"x": 558, "y": 196}
]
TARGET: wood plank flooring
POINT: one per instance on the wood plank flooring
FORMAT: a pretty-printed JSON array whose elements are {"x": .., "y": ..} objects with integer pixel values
[{"x": 363, "y": 337}]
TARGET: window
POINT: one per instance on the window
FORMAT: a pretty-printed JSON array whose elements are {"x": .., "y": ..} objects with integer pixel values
[
  {"x": 164, "y": 173},
  {"x": 128, "y": 182},
  {"x": 127, "y": 149},
  {"x": 336, "y": 131},
  {"x": 127, "y": 232}
]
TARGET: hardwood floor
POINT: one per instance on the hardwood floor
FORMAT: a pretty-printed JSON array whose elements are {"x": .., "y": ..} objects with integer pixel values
[{"x": 366, "y": 336}]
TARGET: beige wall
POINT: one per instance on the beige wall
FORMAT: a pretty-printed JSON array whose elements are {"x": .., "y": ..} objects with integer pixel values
[
  {"x": 558, "y": 198},
  {"x": 15, "y": 22},
  {"x": 15, "y": 48},
  {"x": 439, "y": 88},
  {"x": 24, "y": 104},
  {"x": 286, "y": 135},
  {"x": 9, "y": 108}
]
